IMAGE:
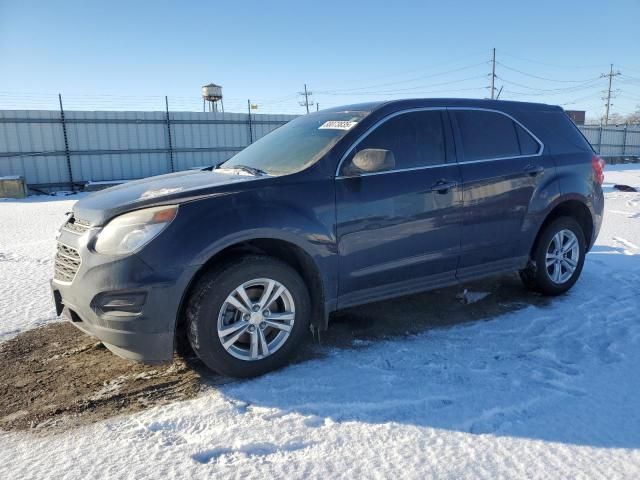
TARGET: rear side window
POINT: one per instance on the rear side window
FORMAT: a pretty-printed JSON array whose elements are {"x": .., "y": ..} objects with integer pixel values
[
  {"x": 486, "y": 135},
  {"x": 416, "y": 139}
]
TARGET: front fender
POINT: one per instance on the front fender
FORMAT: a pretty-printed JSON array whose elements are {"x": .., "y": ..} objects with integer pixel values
[{"x": 302, "y": 214}]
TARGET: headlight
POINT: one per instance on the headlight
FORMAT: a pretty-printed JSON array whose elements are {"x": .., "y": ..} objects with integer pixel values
[{"x": 131, "y": 231}]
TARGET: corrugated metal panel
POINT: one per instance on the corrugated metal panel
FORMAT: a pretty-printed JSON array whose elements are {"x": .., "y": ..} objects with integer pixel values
[
  {"x": 106, "y": 145},
  {"x": 633, "y": 142},
  {"x": 118, "y": 131},
  {"x": 115, "y": 145},
  {"x": 591, "y": 133},
  {"x": 26, "y": 138},
  {"x": 613, "y": 140}
]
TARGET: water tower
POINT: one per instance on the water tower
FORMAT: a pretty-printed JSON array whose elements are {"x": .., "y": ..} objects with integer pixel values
[{"x": 212, "y": 94}]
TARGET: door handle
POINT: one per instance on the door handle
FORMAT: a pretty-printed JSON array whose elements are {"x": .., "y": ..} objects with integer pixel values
[
  {"x": 534, "y": 170},
  {"x": 443, "y": 186}
]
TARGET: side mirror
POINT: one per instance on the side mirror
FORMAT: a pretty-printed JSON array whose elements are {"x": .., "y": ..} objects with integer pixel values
[{"x": 372, "y": 160}]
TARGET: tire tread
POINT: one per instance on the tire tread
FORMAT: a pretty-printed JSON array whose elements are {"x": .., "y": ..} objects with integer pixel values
[
  {"x": 534, "y": 276},
  {"x": 204, "y": 291}
]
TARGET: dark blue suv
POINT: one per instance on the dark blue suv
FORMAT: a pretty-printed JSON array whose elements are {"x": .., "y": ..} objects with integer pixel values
[{"x": 337, "y": 208}]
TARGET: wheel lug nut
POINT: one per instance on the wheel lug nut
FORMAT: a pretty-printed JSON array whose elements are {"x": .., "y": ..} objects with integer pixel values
[
  {"x": 263, "y": 325},
  {"x": 252, "y": 328},
  {"x": 255, "y": 308},
  {"x": 246, "y": 317},
  {"x": 266, "y": 313}
]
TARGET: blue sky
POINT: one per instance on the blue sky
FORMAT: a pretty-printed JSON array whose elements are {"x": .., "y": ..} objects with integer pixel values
[{"x": 116, "y": 54}]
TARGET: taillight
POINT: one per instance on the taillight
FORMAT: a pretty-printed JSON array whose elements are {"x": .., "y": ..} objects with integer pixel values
[{"x": 597, "y": 164}]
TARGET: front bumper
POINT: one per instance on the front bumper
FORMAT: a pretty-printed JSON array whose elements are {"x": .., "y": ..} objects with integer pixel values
[{"x": 129, "y": 306}]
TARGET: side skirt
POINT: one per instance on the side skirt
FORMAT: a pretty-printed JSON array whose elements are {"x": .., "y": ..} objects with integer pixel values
[{"x": 431, "y": 282}]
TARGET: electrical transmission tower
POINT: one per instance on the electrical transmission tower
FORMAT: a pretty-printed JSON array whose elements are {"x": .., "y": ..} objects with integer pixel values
[
  {"x": 607, "y": 99},
  {"x": 306, "y": 94}
]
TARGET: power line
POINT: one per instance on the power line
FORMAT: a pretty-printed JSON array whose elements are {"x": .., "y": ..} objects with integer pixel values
[
  {"x": 410, "y": 89},
  {"x": 422, "y": 92},
  {"x": 551, "y": 91},
  {"x": 425, "y": 67},
  {"x": 411, "y": 86},
  {"x": 543, "y": 78},
  {"x": 570, "y": 67},
  {"x": 422, "y": 77},
  {"x": 632, "y": 69},
  {"x": 592, "y": 95},
  {"x": 630, "y": 97},
  {"x": 630, "y": 80}
]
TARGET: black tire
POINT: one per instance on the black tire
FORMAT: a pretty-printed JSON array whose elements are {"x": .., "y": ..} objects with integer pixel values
[
  {"x": 209, "y": 295},
  {"x": 536, "y": 276}
]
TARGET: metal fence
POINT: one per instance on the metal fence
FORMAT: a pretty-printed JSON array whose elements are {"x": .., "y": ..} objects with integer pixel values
[
  {"x": 613, "y": 141},
  {"x": 54, "y": 149},
  {"x": 58, "y": 149}
]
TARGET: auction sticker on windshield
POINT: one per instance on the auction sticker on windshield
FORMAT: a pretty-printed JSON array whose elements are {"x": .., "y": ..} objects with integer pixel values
[{"x": 338, "y": 125}]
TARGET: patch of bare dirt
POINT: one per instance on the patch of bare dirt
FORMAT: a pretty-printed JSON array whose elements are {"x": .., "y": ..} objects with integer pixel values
[{"x": 57, "y": 377}]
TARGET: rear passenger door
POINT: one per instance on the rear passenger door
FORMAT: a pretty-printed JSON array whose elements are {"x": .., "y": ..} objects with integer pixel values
[
  {"x": 502, "y": 166},
  {"x": 399, "y": 230}
]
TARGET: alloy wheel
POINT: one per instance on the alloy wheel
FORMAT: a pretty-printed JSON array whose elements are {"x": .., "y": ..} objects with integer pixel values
[
  {"x": 563, "y": 254},
  {"x": 256, "y": 319}
]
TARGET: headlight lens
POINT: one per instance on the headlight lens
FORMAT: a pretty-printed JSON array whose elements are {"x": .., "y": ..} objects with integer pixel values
[{"x": 130, "y": 232}]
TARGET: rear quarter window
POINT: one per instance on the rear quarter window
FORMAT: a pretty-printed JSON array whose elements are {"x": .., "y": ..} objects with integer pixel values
[
  {"x": 528, "y": 145},
  {"x": 558, "y": 132}
]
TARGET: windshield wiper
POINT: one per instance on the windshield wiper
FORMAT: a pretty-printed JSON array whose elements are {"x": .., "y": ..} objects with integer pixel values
[{"x": 251, "y": 170}]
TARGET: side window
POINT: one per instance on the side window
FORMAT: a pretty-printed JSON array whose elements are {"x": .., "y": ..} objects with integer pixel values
[
  {"x": 528, "y": 146},
  {"x": 416, "y": 139},
  {"x": 487, "y": 135}
]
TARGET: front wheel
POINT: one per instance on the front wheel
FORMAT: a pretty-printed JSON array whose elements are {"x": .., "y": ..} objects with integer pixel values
[
  {"x": 246, "y": 318},
  {"x": 557, "y": 259}
]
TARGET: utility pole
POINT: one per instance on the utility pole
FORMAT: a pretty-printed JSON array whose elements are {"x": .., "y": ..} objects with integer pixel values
[
  {"x": 66, "y": 144},
  {"x": 611, "y": 74},
  {"x": 249, "y": 122},
  {"x": 166, "y": 104},
  {"x": 493, "y": 74},
  {"x": 306, "y": 103},
  {"x": 317, "y": 107}
]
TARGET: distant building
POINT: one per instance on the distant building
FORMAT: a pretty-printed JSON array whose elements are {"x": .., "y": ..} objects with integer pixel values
[{"x": 577, "y": 116}]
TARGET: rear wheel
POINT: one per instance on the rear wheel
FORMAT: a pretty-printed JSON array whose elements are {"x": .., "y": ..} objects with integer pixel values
[
  {"x": 557, "y": 259},
  {"x": 246, "y": 318}
]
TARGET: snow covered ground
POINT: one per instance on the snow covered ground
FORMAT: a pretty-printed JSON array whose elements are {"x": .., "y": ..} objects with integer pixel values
[
  {"x": 544, "y": 392},
  {"x": 27, "y": 247}
]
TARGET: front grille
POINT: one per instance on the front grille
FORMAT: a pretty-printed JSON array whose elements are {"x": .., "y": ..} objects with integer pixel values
[
  {"x": 76, "y": 225},
  {"x": 67, "y": 263}
]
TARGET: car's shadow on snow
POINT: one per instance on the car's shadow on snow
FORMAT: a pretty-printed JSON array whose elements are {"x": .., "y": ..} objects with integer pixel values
[
  {"x": 546, "y": 371},
  {"x": 410, "y": 315}
]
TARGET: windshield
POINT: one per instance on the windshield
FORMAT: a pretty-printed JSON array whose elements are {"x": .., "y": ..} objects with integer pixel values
[{"x": 295, "y": 145}]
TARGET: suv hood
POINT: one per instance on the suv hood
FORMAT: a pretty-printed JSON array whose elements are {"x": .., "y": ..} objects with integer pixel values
[{"x": 101, "y": 206}]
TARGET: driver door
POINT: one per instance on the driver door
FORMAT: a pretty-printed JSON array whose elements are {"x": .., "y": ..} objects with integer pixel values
[{"x": 399, "y": 230}]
